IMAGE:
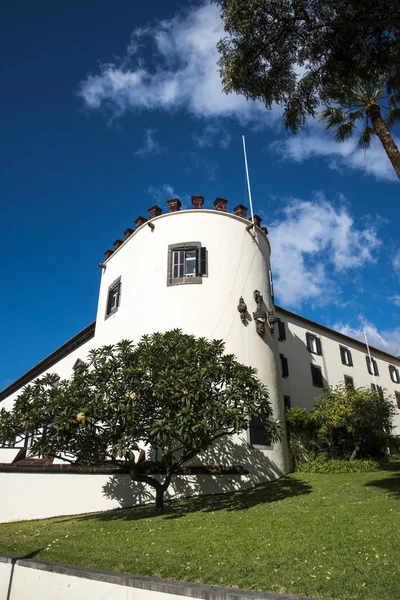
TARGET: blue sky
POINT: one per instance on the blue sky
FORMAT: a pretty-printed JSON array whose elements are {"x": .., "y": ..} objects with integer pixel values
[{"x": 110, "y": 107}]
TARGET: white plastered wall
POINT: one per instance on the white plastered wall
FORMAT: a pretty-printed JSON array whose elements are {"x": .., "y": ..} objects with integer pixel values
[{"x": 299, "y": 384}]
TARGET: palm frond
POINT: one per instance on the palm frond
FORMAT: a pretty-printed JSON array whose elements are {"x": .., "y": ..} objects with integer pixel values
[
  {"x": 393, "y": 116},
  {"x": 345, "y": 131},
  {"x": 365, "y": 138},
  {"x": 355, "y": 115},
  {"x": 394, "y": 99},
  {"x": 333, "y": 117}
]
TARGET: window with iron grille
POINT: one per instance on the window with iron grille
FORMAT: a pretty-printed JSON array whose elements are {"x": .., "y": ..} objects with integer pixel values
[
  {"x": 346, "y": 357},
  {"x": 187, "y": 263},
  {"x": 286, "y": 402},
  {"x": 313, "y": 344},
  {"x": 113, "y": 298},
  {"x": 316, "y": 375},
  {"x": 397, "y": 394},
  {"x": 372, "y": 366}
]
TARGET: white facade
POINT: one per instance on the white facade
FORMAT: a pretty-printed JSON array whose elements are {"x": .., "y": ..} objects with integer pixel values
[{"x": 298, "y": 385}]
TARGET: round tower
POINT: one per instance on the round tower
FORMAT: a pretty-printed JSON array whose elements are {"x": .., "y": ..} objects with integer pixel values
[{"x": 206, "y": 272}]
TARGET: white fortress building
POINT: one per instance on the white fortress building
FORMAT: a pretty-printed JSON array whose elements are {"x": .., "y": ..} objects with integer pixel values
[{"x": 208, "y": 273}]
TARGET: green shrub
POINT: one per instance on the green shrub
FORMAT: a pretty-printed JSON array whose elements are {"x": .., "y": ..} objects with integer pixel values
[{"x": 319, "y": 465}]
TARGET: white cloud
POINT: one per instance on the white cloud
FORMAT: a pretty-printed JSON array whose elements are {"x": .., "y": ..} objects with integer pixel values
[
  {"x": 151, "y": 145},
  {"x": 165, "y": 192},
  {"x": 315, "y": 142},
  {"x": 396, "y": 262},
  {"x": 395, "y": 299},
  {"x": 312, "y": 242},
  {"x": 388, "y": 340},
  {"x": 212, "y": 135},
  {"x": 184, "y": 74}
]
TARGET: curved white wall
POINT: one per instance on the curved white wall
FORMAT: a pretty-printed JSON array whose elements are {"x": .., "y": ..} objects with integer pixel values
[{"x": 238, "y": 264}]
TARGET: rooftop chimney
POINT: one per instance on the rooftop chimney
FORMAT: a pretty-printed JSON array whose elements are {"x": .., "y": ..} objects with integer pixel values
[
  {"x": 174, "y": 205},
  {"x": 264, "y": 230},
  {"x": 240, "y": 211},
  {"x": 108, "y": 253},
  {"x": 140, "y": 221},
  {"x": 220, "y": 204},
  {"x": 154, "y": 211},
  {"x": 197, "y": 201}
]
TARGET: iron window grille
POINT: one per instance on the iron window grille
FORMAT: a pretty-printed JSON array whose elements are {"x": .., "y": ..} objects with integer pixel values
[{"x": 257, "y": 433}]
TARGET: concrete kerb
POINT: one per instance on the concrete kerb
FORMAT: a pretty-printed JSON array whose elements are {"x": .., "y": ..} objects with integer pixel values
[{"x": 166, "y": 586}]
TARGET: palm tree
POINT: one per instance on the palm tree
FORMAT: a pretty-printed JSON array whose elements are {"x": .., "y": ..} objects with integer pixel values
[{"x": 364, "y": 102}]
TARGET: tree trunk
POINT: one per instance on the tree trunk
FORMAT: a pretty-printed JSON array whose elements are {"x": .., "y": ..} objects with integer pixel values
[
  {"x": 382, "y": 131},
  {"x": 160, "y": 498}
]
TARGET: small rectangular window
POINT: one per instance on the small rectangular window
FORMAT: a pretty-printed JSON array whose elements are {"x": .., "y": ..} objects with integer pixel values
[
  {"x": 348, "y": 381},
  {"x": 394, "y": 374},
  {"x": 316, "y": 375},
  {"x": 346, "y": 357},
  {"x": 281, "y": 331},
  {"x": 271, "y": 285},
  {"x": 187, "y": 263},
  {"x": 113, "y": 298},
  {"x": 284, "y": 365},
  {"x": 286, "y": 402},
  {"x": 397, "y": 394},
  {"x": 258, "y": 436},
  {"x": 313, "y": 344},
  {"x": 372, "y": 366}
]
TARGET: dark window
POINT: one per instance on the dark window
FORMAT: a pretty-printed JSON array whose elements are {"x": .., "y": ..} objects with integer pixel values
[
  {"x": 313, "y": 344},
  {"x": 271, "y": 285},
  {"x": 316, "y": 374},
  {"x": 372, "y": 366},
  {"x": 348, "y": 381},
  {"x": 397, "y": 394},
  {"x": 281, "y": 331},
  {"x": 346, "y": 357},
  {"x": 258, "y": 436},
  {"x": 187, "y": 263},
  {"x": 113, "y": 298},
  {"x": 285, "y": 367},
  {"x": 394, "y": 374},
  {"x": 286, "y": 402}
]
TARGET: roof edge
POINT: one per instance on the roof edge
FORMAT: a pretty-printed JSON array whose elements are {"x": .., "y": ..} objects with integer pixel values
[
  {"x": 50, "y": 360},
  {"x": 342, "y": 335}
]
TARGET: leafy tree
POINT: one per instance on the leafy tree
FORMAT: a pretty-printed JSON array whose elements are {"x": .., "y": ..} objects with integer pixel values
[
  {"x": 344, "y": 423},
  {"x": 364, "y": 103},
  {"x": 290, "y": 52},
  {"x": 353, "y": 421},
  {"x": 171, "y": 391}
]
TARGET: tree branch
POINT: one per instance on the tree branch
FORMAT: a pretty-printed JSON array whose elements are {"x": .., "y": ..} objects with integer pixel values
[{"x": 356, "y": 24}]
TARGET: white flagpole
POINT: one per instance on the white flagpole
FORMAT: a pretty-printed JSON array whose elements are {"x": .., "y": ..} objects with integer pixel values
[
  {"x": 248, "y": 180},
  {"x": 370, "y": 360}
]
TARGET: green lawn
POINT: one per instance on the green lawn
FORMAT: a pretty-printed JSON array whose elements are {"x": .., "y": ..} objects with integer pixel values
[{"x": 336, "y": 536}]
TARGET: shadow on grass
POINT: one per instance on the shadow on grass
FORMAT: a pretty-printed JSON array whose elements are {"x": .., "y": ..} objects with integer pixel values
[
  {"x": 273, "y": 491},
  {"x": 390, "y": 484}
]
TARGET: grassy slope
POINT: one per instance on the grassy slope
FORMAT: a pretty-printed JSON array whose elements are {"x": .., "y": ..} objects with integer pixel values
[{"x": 336, "y": 536}]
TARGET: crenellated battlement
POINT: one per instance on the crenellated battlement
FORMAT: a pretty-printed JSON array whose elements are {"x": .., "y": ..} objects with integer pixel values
[{"x": 174, "y": 205}]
